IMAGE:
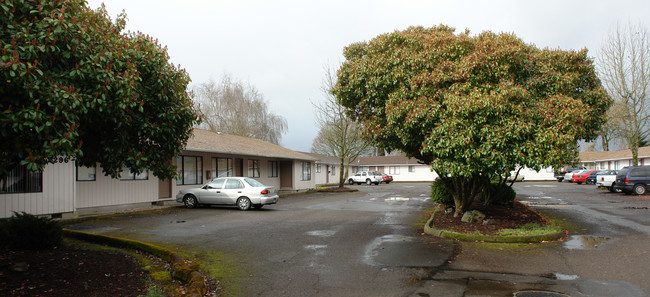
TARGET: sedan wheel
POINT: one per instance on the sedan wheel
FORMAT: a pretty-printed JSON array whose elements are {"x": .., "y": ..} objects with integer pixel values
[
  {"x": 190, "y": 201},
  {"x": 244, "y": 203},
  {"x": 639, "y": 189}
]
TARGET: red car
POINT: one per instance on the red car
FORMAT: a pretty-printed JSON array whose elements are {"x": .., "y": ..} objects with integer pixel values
[
  {"x": 581, "y": 177},
  {"x": 385, "y": 178}
]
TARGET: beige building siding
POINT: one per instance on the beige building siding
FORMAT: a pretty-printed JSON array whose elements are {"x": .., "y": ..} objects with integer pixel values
[
  {"x": 107, "y": 191},
  {"x": 57, "y": 196},
  {"x": 207, "y": 167},
  {"x": 299, "y": 184}
]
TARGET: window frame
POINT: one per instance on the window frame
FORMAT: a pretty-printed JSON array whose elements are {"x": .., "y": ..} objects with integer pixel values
[
  {"x": 393, "y": 170},
  {"x": 254, "y": 168},
  {"x": 273, "y": 168},
  {"x": 94, "y": 173},
  {"x": 34, "y": 181},
  {"x": 217, "y": 171},
  {"x": 180, "y": 169},
  {"x": 144, "y": 175},
  {"x": 305, "y": 172}
]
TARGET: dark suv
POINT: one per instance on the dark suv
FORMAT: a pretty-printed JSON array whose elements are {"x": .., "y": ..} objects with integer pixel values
[{"x": 633, "y": 179}]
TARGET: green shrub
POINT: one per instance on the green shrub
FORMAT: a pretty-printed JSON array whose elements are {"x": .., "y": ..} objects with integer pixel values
[
  {"x": 440, "y": 194},
  {"x": 24, "y": 231},
  {"x": 498, "y": 193}
]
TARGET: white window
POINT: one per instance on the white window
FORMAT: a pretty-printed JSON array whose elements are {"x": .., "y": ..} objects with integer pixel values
[
  {"x": 318, "y": 168},
  {"x": 273, "y": 168},
  {"x": 86, "y": 173},
  {"x": 21, "y": 180},
  {"x": 253, "y": 168},
  {"x": 411, "y": 168},
  {"x": 306, "y": 171},
  {"x": 190, "y": 170},
  {"x": 222, "y": 167},
  {"x": 128, "y": 175},
  {"x": 393, "y": 170}
]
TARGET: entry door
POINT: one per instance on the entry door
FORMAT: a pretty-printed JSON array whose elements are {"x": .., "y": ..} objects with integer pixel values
[{"x": 286, "y": 175}]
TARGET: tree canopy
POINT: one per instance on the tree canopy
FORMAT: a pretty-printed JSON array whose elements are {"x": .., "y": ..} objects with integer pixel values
[
  {"x": 471, "y": 106},
  {"x": 73, "y": 84},
  {"x": 338, "y": 134},
  {"x": 625, "y": 69},
  {"x": 236, "y": 108}
]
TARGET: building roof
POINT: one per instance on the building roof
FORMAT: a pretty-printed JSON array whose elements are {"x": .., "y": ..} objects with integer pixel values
[
  {"x": 386, "y": 160},
  {"x": 644, "y": 152},
  {"x": 325, "y": 159},
  {"x": 222, "y": 143}
]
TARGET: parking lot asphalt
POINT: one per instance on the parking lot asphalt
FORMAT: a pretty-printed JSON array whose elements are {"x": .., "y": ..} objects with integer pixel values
[{"x": 369, "y": 243}]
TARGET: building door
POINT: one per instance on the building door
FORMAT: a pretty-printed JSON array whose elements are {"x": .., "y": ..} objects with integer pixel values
[
  {"x": 286, "y": 175},
  {"x": 327, "y": 174},
  {"x": 164, "y": 189}
]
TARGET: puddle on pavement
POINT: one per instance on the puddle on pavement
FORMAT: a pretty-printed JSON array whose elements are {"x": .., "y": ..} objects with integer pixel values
[
  {"x": 585, "y": 242},
  {"x": 560, "y": 276},
  {"x": 321, "y": 233},
  {"x": 535, "y": 293}
]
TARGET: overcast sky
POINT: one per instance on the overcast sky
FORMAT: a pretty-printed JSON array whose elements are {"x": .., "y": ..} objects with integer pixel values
[{"x": 282, "y": 47}]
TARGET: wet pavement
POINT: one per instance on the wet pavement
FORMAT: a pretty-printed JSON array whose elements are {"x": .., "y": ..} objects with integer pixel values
[{"x": 367, "y": 244}]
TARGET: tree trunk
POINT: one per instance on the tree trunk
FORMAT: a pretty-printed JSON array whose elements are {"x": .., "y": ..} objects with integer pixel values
[
  {"x": 464, "y": 190},
  {"x": 342, "y": 171}
]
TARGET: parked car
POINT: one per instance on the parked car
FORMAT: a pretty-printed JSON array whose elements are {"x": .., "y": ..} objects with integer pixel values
[
  {"x": 385, "y": 178},
  {"x": 591, "y": 179},
  {"x": 559, "y": 175},
  {"x": 634, "y": 179},
  {"x": 569, "y": 175},
  {"x": 368, "y": 177},
  {"x": 581, "y": 177},
  {"x": 243, "y": 192},
  {"x": 607, "y": 179}
]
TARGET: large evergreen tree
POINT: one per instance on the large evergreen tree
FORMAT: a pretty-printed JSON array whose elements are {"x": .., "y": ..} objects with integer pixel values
[
  {"x": 474, "y": 107},
  {"x": 73, "y": 84}
]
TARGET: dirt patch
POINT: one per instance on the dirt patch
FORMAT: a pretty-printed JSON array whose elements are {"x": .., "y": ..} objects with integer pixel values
[
  {"x": 70, "y": 271},
  {"x": 505, "y": 217}
]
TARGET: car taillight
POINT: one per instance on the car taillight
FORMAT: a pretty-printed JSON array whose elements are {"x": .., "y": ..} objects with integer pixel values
[
  {"x": 602, "y": 179},
  {"x": 627, "y": 181},
  {"x": 264, "y": 192}
]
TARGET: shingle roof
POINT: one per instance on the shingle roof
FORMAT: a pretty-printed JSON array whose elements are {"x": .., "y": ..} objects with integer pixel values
[
  {"x": 208, "y": 141},
  {"x": 644, "y": 152},
  {"x": 325, "y": 158},
  {"x": 387, "y": 160}
]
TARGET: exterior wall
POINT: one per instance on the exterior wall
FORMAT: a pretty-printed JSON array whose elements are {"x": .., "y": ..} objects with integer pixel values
[
  {"x": 207, "y": 166},
  {"x": 532, "y": 175},
  {"x": 57, "y": 197},
  {"x": 419, "y": 173},
  {"x": 107, "y": 191},
  {"x": 329, "y": 174},
  {"x": 299, "y": 184}
]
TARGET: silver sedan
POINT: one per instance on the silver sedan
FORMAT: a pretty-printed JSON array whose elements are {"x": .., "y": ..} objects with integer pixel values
[{"x": 243, "y": 192}]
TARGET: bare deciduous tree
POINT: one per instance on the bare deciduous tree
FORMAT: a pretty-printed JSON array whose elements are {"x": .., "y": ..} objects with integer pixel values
[
  {"x": 611, "y": 132},
  {"x": 232, "y": 107},
  {"x": 338, "y": 134},
  {"x": 625, "y": 70}
]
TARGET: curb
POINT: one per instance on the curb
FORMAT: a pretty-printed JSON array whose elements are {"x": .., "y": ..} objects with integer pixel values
[
  {"x": 429, "y": 229},
  {"x": 179, "y": 269}
]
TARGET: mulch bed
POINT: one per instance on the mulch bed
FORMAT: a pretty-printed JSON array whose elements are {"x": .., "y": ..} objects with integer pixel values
[
  {"x": 506, "y": 217},
  {"x": 68, "y": 271}
]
